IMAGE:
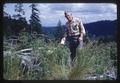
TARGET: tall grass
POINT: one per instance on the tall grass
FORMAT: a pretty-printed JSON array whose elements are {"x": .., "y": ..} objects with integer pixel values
[
  {"x": 93, "y": 59},
  {"x": 54, "y": 59},
  {"x": 11, "y": 68}
]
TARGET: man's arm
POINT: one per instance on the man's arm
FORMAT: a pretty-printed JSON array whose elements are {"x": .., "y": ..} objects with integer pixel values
[{"x": 82, "y": 30}]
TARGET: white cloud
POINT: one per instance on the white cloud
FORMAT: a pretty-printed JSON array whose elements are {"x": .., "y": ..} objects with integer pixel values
[
  {"x": 50, "y": 13},
  {"x": 95, "y": 8},
  {"x": 86, "y": 12}
]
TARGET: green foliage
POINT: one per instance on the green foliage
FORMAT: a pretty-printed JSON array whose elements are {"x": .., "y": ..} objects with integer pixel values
[
  {"x": 54, "y": 60},
  {"x": 93, "y": 59},
  {"x": 12, "y": 27},
  {"x": 11, "y": 67},
  {"x": 23, "y": 40}
]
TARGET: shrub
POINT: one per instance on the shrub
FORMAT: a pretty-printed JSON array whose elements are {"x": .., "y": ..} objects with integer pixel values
[{"x": 54, "y": 61}]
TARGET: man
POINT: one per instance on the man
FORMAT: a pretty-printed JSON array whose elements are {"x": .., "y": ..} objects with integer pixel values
[{"x": 74, "y": 33}]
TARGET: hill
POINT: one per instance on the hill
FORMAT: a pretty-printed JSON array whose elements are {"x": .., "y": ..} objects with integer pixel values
[
  {"x": 98, "y": 29},
  {"x": 102, "y": 28}
]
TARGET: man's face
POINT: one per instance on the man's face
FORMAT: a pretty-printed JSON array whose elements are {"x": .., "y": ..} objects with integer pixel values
[{"x": 68, "y": 16}]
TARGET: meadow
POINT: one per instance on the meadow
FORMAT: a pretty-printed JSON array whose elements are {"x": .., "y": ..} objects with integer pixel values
[{"x": 95, "y": 61}]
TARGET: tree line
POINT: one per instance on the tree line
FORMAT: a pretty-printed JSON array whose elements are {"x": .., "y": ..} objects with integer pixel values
[{"x": 13, "y": 25}]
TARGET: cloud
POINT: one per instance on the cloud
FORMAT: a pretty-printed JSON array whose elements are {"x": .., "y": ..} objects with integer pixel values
[
  {"x": 50, "y": 13},
  {"x": 86, "y": 12},
  {"x": 61, "y": 7},
  {"x": 95, "y": 8}
]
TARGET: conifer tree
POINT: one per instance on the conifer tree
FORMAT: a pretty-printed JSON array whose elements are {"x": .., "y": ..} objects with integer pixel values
[
  {"x": 20, "y": 11},
  {"x": 59, "y": 31},
  {"x": 35, "y": 22}
]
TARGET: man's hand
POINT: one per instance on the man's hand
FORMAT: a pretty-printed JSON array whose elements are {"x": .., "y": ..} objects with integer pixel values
[
  {"x": 80, "y": 38},
  {"x": 63, "y": 41}
]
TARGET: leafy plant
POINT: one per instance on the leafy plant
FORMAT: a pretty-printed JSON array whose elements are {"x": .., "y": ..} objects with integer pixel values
[{"x": 55, "y": 63}]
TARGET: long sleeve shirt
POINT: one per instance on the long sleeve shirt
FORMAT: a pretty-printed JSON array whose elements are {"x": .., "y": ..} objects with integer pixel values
[{"x": 74, "y": 28}]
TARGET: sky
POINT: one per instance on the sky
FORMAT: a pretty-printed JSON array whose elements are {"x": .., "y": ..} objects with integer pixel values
[{"x": 51, "y": 13}]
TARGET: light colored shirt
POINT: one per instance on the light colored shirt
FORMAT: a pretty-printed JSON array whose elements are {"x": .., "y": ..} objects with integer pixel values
[{"x": 74, "y": 28}]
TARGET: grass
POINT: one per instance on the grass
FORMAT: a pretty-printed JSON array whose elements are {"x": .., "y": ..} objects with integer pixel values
[{"x": 94, "y": 58}]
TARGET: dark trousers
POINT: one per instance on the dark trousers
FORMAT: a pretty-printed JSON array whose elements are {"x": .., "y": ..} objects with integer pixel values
[{"x": 73, "y": 44}]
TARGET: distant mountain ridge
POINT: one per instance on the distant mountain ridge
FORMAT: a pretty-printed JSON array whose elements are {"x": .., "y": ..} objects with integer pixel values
[
  {"x": 98, "y": 29},
  {"x": 102, "y": 28}
]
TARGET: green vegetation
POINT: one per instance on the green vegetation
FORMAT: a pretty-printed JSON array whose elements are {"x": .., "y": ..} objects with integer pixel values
[
  {"x": 94, "y": 58},
  {"x": 48, "y": 59}
]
